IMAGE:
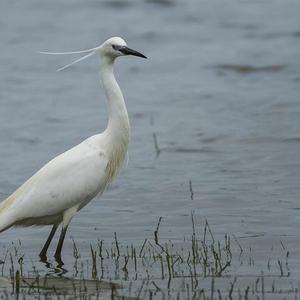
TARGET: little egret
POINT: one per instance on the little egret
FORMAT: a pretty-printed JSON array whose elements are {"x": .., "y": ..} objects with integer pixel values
[{"x": 54, "y": 194}]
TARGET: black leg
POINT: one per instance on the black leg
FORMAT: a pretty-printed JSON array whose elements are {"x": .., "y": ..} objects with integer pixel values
[
  {"x": 67, "y": 217},
  {"x": 57, "y": 254},
  {"x": 43, "y": 254}
]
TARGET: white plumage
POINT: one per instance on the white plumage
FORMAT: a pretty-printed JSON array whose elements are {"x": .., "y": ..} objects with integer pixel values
[{"x": 68, "y": 182}]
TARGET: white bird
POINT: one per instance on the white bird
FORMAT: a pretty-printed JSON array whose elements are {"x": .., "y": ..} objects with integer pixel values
[{"x": 54, "y": 194}]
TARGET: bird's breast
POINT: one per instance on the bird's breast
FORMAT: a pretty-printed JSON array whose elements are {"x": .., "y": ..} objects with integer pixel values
[{"x": 118, "y": 153}]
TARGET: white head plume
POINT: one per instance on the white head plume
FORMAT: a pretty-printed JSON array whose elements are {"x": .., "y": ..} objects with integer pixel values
[{"x": 90, "y": 52}]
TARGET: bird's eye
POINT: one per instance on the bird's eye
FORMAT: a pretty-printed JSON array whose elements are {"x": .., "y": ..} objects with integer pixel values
[{"x": 117, "y": 47}]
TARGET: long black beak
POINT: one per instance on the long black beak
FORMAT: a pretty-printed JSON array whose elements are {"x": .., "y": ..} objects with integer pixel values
[{"x": 127, "y": 51}]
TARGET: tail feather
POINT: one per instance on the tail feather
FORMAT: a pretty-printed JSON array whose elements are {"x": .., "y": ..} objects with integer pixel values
[
  {"x": 5, "y": 204},
  {"x": 5, "y": 221}
]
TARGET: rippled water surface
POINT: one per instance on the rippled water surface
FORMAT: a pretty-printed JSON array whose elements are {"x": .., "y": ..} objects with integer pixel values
[{"x": 219, "y": 93}]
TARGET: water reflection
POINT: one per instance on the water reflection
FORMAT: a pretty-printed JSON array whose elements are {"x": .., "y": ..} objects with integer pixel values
[{"x": 56, "y": 269}]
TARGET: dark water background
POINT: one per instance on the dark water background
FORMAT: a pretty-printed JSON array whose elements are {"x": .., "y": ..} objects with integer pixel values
[{"x": 220, "y": 90}]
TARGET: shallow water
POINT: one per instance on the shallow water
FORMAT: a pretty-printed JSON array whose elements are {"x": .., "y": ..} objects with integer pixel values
[{"x": 220, "y": 91}]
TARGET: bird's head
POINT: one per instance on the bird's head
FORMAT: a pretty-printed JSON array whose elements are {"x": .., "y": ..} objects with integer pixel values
[
  {"x": 111, "y": 49},
  {"x": 115, "y": 47}
]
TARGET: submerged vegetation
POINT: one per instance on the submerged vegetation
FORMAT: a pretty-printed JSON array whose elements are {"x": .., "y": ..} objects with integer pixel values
[{"x": 198, "y": 267}]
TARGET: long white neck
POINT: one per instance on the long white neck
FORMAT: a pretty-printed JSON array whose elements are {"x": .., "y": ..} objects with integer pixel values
[{"x": 118, "y": 127}]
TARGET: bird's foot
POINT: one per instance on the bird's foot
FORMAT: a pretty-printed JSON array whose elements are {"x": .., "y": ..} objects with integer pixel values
[{"x": 58, "y": 259}]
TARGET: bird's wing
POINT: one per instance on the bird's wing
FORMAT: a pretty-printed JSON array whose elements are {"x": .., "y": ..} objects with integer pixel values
[{"x": 72, "y": 178}]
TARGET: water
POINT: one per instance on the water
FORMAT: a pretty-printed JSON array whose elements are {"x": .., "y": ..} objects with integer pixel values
[{"x": 220, "y": 91}]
